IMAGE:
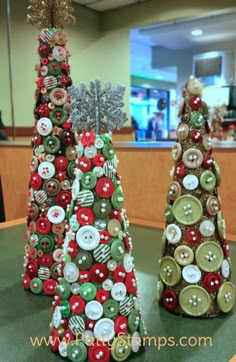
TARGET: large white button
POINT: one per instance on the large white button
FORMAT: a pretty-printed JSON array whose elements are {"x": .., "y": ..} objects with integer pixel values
[
  {"x": 94, "y": 310},
  {"x": 190, "y": 182},
  {"x": 225, "y": 268},
  {"x": 90, "y": 151},
  {"x": 56, "y": 214},
  {"x": 44, "y": 126},
  {"x": 104, "y": 330},
  {"x": 57, "y": 317},
  {"x": 128, "y": 263},
  {"x": 118, "y": 291},
  {"x": 46, "y": 170},
  {"x": 88, "y": 237},
  {"x": 71, "y": 272},
  {"x": 107, "y": 284},
  {"x": 75, "y": 189},
  {"x": 207, "y": 228},
  {"x": 191, "y": 274},
  {"x": 173, "y": 233}
]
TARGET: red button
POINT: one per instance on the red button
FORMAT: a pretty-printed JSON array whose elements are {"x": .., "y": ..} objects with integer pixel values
[
  {"x": 26, "y": 281},
  {"x": 46, "y": 260},
  {"x": 84, "y": 276},
  {"x": 67, "y": 137},
  {"x": 102, "y": 296},
  {"x": 85, "y": 216},
  {"x": 35, "y": 181},
  {"x": 49, "y": 286},
  {"x": 99, "y": 272},
  {"x": 87, "y": 138},
  {"x": 99, "y": 160},
  {"x": 57, "y": 301},
  {"x": 105, "y": 187},
  {"x": 73, "y": 249},
  {"x": 180, "y": 170},
  {"x": 84, "y": 164},
  {"x": 121, "y": 324},
  {"x": 131, "y": 283},
  {"x": 61, "y": 176},
  {"x": 77, "y": 304},
  {"x": 99, "y": 349},
  {"x": 55, "y": 340},
  {"x": 61, "y": 163},
  {"x": 127, "y": 241},
  {"x": 119, "y": 274},
  {"x": 43, "y": 225},
  {"x": 170, "y": 299},
  {"x": 104, "y": 237},
  {"x": 212, "y": 282},
  {"x": 192, "y": 236},
  {"x": 116, "y": 214},
  {"x": 37, "y": 140},
  {"x": 64, "y": 322},
  {"x": 32, "y": 269},
  {"x": 225, "y": 247},
  {"x": 196, "y": 136},
  {"x": 68, "y": 336},
  {"x": 195, "y": 102},
  {"x": 207, "y": 161},
  {"x": 89, "y": 324},
  {"x": 63, "y": 198}
]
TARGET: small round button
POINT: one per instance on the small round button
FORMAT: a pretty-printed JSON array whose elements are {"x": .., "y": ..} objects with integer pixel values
[
  {"x": 221, "y": 226},
  {"x": 102, "y": 208},
  {"x": 169, "y": 214},
  {"x": 207, "y": 162},
  {"x": 126, "y": 306},
  {"x": 85, "y": 216},
  {"x": 51, "y": 144},
  {"x": 212, "y": 282},
  {"x": 190, "y": 182},
  {"x": 195, "y": 103},
  {"x": 108, "y": 151},
  {"x": 76, "y": 325},
  {"x": 71, "y": 272},
  {"x": 182, "y": 132},
  {"x": 196, "y": 136},
  {"x": 183, "y": 255},
  {"x": 176, "y": 151},
  {"x": 226, "y": 297},
  {"x": 36, "y": 285},
  {"x": 117, "y": 199},
  {"x": 44, "y": 126},
  {"x": 192, "y": 236},
  {"x": 118, "y": 291},
  {"x": 170, "y": 271},
  {"x": 83, "y": 260},
  {"x": 102, "y": 253},
  {"x": 105, "y": 187},
  {"x": 88, "y": 180},
  {"x": 207, "y": 228},
  {"x": 99, "y": 143},
  {"x": 114, "y": 227},
  {"x": 56, "y": 214},
  {"x": 207, "y": 142},
  {"x": 208, "y": 180},
  {"x": 90, "y": 151},
  {"x": 180, "y": 170},
  {"x": 173, "y": 233},
  {"x": 187, "y": 209},
  {"x": 88, "y": 237},
  {"x": 94, "y": 310},
  {"x": 194, "y": 300},
  {"x": 197, "y": 120},
  {"x": 174, "y": 190},
  {"x": 120, "y": 348},
  {"x": 88, "y": 291},
  {"x": 212, "y": 205},
  {"x": 225, "y": 268},
  {"x": 85, "y": 198},
  {"x": 191, "y": 274},
  {"x": 46, "y": 170},
  {"x": 52, "y": 187},
  {"x": 170, "y": 300},
  {"x": 58, "y": 96},
  {"x": 99, "y": 351},
  {"x": 209, "y": 256},
  {"x": 192, "y": 158}
]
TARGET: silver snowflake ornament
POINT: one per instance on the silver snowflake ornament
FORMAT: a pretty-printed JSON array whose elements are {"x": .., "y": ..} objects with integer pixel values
[{"x": 96, "y": 108}]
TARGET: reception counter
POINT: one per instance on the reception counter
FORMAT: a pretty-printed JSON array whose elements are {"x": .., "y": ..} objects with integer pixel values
[{"x": 145, "y": 170}]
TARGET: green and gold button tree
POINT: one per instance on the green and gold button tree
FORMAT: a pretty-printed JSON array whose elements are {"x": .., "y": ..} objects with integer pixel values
[
  {"x": 195, "y": 268},
  {"x": 97, "y": 315},
  {"x": 54, "y": 152}
]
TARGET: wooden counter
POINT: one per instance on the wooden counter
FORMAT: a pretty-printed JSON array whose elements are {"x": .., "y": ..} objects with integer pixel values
[{"x": 145, "y": 170}]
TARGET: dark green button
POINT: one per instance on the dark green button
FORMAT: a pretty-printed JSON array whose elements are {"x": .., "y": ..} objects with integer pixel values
[
  {"x": 111, "y": 309},
  {"x": 83, "y": 260},
  {"x": 54, "y": 68},
  {"x": 117, "y": 199},
  {"x": 169, "y": 214},
  {"x": 102, "y": 208},
  {"x": 63, "y": 288},
  {"x": 46, "y": 243},
  {"x": 105, "y": 137},
  {"x": 88, "y": 180},
  {"x": 208, "y": 180},
  {"x": 70, "y": 169},
  {"x": 133, "y": 320},
  {"x": 117, "y": 250},
  {"x": 88, "y": 291},
  {"x": 65, "y": 308},
  {"x": 108, "y": 151},
  {"x": 197, "y": 119},
  {"x": 51, "y": 144},
  {"x": 102, "y": 254},
  {"x": 76, "y": 351},
  {"x": 58, "y": 116},
  {"x": 36, "y": 286}
]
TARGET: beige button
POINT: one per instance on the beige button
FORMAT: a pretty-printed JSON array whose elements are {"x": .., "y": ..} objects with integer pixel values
[
  {"x": 174, "y": 190},
  {"x": 114, "y": 227},
  {"x": 226, "y": 297},
  {"x": 207, "y": 142},
  {"x": 170, "y": 271},
  {"x": 34, "y": 164},
  {"x": 194, "y": 300},
  {"x": 192, "y": 158},
  {"x": 212, "y": 205},
  {"x": 183, "y": 255},
  {"x": 182, "y": 132},
  {"x": 221, "y": 225},
  {"x": 176, "y": 151},
  {"x": 209, "y": 256}
]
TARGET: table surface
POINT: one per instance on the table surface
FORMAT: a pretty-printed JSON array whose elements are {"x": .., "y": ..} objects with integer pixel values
[{"x": 23, "y": 314}]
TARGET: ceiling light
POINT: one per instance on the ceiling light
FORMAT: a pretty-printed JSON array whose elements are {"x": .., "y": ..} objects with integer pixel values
[{"x": 196, "y": 32}]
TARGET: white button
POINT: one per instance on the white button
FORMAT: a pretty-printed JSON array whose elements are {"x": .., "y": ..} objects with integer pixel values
[
  {"x": 88, "y": 337},
  {"x": 75, "y": 287},
  {"x": 88, "y": 237},
  {"x": 107, "y": 284},
  {"x": 94, "y": 310},
  {"x": 71, "y": 272},
  {"x": 109, "y": 169},
  {"x": 135, "y": 342},
  {"x": 225, "y": 268},
  {"x": 74, "y": 223},
  {"x": 98, "y": 142},
  {"x": 190, "y": 182},
  {"x": 207, "y": 228},
  {"x": 98, "y": 171},
  {"x": 104, "y": 330},
  {"x": 78, "y": 173},
  {"x": 90, "y": 151},
  {"x": 46, "y": 170},
  {"x": 128, "y": 263},
  {"x": 173, "y": 233},
  {"x": 191, "y": 274},
  {"x": 62, "y": 348},
  {"x": 58, "y": 255},
  {"x": 44, "y": 70},
  {"x": 79, "y": 149},
  {"x": 44, "y": 126},
  {"x": 59, "y": 53},
  {"x": 111, "y": 265},
  {"x": 75, "y": 189},
  {"x": 118, "y": 291},
  {"x": 56, "y": 214},
  {"x": 57, "y": 317}
]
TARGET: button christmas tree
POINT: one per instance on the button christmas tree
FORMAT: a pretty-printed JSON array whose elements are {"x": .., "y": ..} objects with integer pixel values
[
  {"x": 54, "y": 152},
  {"x": 97, "y": 313},
  {"x": 195, "y": 268}
]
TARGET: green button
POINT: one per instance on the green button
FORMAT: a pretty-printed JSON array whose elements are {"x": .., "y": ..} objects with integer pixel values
[
  {"x": 208, "y": 180},
  {"x": 209, "y": 256},
  {"x": 65, "y": 308},
  {"x": 160, "y": 289},
  {"x": 169, "y": 214},
  {"x": 36, "y": 285},
  {"x": 187, "y": 209},
  {"x": 221, "y": 225},
  {"x": 111, "y": 309},
  {"x": 88, "y": 180},
  {"x": 88, "y": 291},
  {"x": 51, "y": 144},
  {"x": 194, "y": 300},
  {"x": 226, "y": 297},
  {"x": 105, "y": 137},
  {"x": 85, "y": 198},
  {"x": 102, "y": 254},
  {"x": 70, "y": 169},
  {"x": 141, "y": 329},
  {"x": 74, "y": 223},
  {"x": 197, "y": 119},
  {"x": 216, "y": 171},
  {"x": 63, "y": 288},
  {"x": 108, "y": 151},
  {"x": 77, "y": 351},
  {"x": 133, "y": 320},
  {"x": 58, "y": 116},
  {"x": 117, "y": 250},
  {"x": 120, "y": 348},
  {"x": 54, "y": 68},
  {"x": 83, "y": 260},
  {"x": 70, "y": 210},
  {"x": 46, "y": 243},
  {"x": 117, "y": 199},
  {"x": 170, "y": 271},
  {"x": 102, "y": 208}
]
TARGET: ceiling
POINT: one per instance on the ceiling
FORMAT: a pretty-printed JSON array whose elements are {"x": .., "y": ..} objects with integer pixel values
[{"x": 106, "y": 5}]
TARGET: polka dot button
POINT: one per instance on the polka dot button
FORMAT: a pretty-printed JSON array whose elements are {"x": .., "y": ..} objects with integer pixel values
[
  {"x": 194, "y": 300},
  {"x": 191, "y": 274},
  {"x": 173, "y": 233},
  {"x": 190, "y": 182},
  {"x": 182, "y": 132},
  {"x": 187, "y": 209},
  {"x": 88, "y": 237},
  {"x": 170, "y": 271},
  {"x": 207, "y": 180},
  {"x": 44, "y": 126},
  {"x": 221, "y": 226},
  {"x": 174, "y": 190},
  {"x": 176, "y": 151},
  {"x": 183, "y": 255},
  {"x": 226, "y": 297},
  {"x": 212, "y": 205},
  {"x": 46, "y": 170},
  {"x": 192, "y": 158},
  {"x": 209, "y": 256}
]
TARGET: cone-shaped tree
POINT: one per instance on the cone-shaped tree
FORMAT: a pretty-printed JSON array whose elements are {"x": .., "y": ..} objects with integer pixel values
[
  {"x": 54, "y": 152},
  {"x": 96, "y": 310},
  {"x": 195, "y": 268}
]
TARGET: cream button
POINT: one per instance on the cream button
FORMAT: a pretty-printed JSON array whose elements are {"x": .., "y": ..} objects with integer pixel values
[
  {"x": 207, "y": 142},
  {"x": 176, "y": 151},
  {"x": 191, "y": 274},
  {"x": 174, "y": 190},
  {"x": 173, "y": 233},
  {"x": 182, "y": 132},
  {"x": 207, "y": 228},
  {"x": 192, "y": 158},
  {"x": 190, "y": 182},
  {"x": 183, "y": 255}
]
